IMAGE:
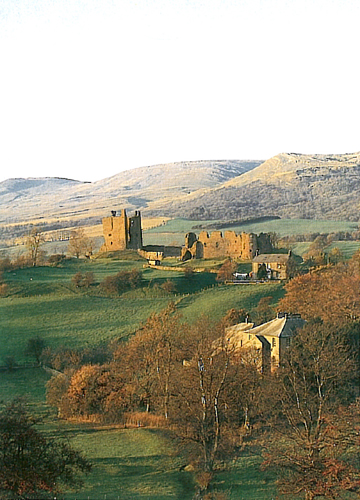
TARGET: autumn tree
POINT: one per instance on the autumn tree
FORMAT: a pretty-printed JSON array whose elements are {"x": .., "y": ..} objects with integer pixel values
[
  {"x": 226, "y": 271},
  {"x": 31, "y": 464},
  {"x": 169, "y": 286},
  {"x": 203, "y": 407},
  {"x": 92, "y": 391},
  {"x": 80, "y": 244},
  {"x": 83, "y": 280},
  {"x": 310, "y": 443},
  {"x": 235, "y": 316},
  {"x": 150, "y": 358},
  {"x": 122, "y": 281},
  {"x": 77, "y": 279},
  {"x": 263, "y": 312},
  {"x": 33, "y": 242},
  {"x": 332, "y": 295},
  {"x": 335, "y": 256}
]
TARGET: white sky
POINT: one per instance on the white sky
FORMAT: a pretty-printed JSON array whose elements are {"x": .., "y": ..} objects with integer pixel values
[{"x": 89, "y": 88}]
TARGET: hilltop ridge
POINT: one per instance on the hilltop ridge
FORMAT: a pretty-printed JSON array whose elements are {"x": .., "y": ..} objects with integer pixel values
[{"x": 287, "y": 185}]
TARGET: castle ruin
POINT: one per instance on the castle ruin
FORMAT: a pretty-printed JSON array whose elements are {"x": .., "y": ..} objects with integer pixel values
[
  {"x": 242, "y": 246},
  {"x": 122, "y": 232}
]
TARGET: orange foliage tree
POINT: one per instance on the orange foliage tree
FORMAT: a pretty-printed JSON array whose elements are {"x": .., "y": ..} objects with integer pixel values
[{"x": 332, "y": 294}]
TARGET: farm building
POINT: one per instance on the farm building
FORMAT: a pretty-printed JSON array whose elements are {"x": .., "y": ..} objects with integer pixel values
[
  {"x": 270, "y": 340},
  {"x": 271, "y": 266}
]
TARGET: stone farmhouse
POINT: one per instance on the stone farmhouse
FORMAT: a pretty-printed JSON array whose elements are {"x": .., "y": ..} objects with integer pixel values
[
  {"x": 274, "y": 266},
  {"x": 270, "y": 340},
  {"x": 236, "y": 246}
]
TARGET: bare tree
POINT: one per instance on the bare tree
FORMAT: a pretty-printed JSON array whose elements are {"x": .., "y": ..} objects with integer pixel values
[
  {"x": 312, "y": 434},
  {"x": 202, "y": 401},
  {"x": 80, "y": 244},
  {"x": 33, "y": 242}
]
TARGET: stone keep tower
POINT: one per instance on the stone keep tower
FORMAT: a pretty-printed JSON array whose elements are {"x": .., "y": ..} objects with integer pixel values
[{"x": 122, "y": 232}]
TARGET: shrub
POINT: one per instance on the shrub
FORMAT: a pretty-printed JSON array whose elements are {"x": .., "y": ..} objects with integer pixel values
[
  {"x": 55, "y": 259},
  {"x": 169, "y": 286},
  {"x": 122, "y": 281},
  {"x": 4, "y": 289},
  {"x": 77, "y": 279},
  {"x": 88, "y": 279}
]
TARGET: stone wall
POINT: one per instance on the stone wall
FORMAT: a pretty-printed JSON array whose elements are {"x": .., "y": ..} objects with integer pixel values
[
  {"x": 122, "y": 232},
  {"x": 236, "y": 246}
]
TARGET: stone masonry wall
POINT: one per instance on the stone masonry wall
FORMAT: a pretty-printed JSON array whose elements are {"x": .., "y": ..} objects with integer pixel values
[{"x": 237, "y": 246}]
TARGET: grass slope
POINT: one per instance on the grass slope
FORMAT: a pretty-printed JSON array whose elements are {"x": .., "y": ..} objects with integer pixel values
[{"x": 137, "y": 464}]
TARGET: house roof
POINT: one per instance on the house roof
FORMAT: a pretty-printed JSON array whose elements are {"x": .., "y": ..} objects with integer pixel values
[
  {"x": 284, "y": 326},
  {"x": 270, "y": 258},
  {"x": 279, "y": 327}
]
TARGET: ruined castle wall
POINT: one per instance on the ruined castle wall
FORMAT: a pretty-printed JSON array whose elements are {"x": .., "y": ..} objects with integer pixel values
[
  {"x": 228, "y": 245},
  {"x": 122, "y": 232},
  {"x": 236, "y": 246},
  {"x": 115, "y": 233},
  {"x": 135, "y": 232},
  {"x": 249, "y": 245}
]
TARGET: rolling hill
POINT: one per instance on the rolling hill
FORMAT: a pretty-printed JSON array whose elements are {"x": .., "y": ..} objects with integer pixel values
[
  {"x": 27, "y": 200},
  {"x": 288, "y": 185}
]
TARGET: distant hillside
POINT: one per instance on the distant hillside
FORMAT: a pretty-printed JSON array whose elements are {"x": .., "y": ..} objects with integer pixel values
[
  {"x": 288, "y": 185},
  {"x": 64, "y": 202}
]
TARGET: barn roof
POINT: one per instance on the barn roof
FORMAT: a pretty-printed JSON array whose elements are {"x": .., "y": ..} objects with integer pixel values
[{"x": 264, "y": 258}]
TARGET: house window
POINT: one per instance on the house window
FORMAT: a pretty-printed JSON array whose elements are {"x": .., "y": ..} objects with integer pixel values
[
  {"x": 274, "y": 342},
  {"x": 240, "y": 343},
  {"x": 250, "y": 336}
]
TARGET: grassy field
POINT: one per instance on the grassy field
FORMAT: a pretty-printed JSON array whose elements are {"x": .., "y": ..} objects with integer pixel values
[
  {"x": 137, "y": 464},
  {"x": 43, "y": 302},
  {"x": 132, "y": 464}
]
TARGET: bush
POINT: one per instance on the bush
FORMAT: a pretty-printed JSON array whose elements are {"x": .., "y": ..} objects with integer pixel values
[
  {"x": 88, "y": 279},
  {"x": 5, "y": 264},
  {"x": 55, "y": 259},
  {"x": 77, "y": 279},
  {"x": 169, "y": 286},
  {"x": 122, "y": 281}
]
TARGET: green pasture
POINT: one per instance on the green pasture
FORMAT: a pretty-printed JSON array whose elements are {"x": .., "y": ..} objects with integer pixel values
[
  {"x": 131, "y": 464},
  {"x": 137, "y": 464},
  {"x": 43, "y": 302},
  {"x": 215, "y": 302},
  {"x": 283, "y": 227},
  {"x": 347, "y": 248}
]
